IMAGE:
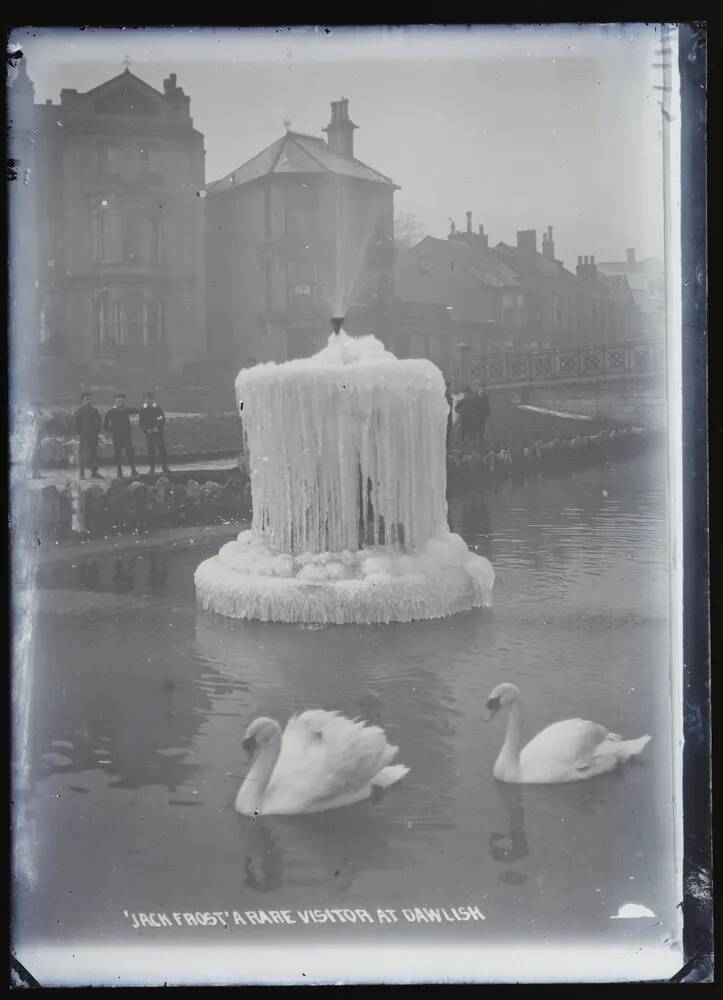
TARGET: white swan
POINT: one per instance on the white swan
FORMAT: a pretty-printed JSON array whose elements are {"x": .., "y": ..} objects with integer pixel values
[
  {"x": 322, "y": 761},
  {"x": 572, "y": 750}
]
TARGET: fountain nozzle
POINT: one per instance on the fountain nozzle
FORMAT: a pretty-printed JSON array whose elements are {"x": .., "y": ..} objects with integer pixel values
[{"x": 336, "y": 323}]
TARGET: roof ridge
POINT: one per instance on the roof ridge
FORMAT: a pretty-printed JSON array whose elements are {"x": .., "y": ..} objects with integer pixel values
[
  {"x": 119, "y": 76},
  {"x": 314, "y": 158}
]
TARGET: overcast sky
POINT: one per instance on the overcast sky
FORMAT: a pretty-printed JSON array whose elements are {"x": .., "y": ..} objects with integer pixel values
[{"x": 525, "y": 127}]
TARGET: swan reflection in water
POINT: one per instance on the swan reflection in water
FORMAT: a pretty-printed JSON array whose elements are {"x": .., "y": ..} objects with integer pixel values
[
  {"x": 513, "y": 846},
  {"x": 331, "y": 849}
]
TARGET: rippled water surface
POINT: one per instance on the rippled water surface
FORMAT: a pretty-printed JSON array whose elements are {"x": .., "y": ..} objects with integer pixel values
[{"x": 140, "y": 702}]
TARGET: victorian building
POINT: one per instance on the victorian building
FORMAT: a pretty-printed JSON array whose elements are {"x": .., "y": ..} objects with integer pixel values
[
  {"x": 298, "y": 234},
  {"x": 120, "y": 237}
]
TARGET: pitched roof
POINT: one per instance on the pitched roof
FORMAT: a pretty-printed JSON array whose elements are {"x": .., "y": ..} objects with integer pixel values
[
  {"x": 526, "y": 264},
  {"x": 296, "y": 153},
  {"x": 126, "y": 77},
  {"x": 485, "y": 265}
]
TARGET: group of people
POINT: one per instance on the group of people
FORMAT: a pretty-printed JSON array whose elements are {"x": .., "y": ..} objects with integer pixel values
[
  {"x": 117, "y": 423},
  {"x": 473, "y": 410}
]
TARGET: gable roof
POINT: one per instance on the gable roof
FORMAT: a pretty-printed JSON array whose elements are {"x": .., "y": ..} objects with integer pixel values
[
  {"x": 127, "y": 78},
  {"x": 487, "y": 266},
  {"x": 296, "y": 153}
]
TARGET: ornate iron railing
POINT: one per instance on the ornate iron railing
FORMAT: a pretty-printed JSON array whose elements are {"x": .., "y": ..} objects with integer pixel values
[{"x": 595, "y": 361}]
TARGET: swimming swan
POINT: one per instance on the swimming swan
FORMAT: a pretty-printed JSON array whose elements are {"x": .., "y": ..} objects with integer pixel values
[
  {"x": 322, "y": 761},
  {"x": 572, "y": 750}
]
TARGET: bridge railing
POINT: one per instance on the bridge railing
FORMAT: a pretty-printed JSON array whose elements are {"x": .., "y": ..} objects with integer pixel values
[{"x": 594, "y": 361}]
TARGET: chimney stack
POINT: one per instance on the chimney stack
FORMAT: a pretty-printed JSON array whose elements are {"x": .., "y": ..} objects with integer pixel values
[
  {"x": 469, "y": 222},
  {"x": 483, "y": 239},
  {"x": 630, "y": 254},
  {"x": 340, "y": 130},
  {"x": 548, "y": 247},
  {"x": 527, "y": 240}
]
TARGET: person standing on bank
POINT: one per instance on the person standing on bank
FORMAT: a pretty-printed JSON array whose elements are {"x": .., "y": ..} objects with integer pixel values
[
  {"x": 482, "y": 412},
  {"x": 465, "y": 411},
  {"x": 151, "y": 421},
  {"x": 118, "y": 423},
  {"x": 88, "y": 425},
  {"x": 450, "y": 404}
]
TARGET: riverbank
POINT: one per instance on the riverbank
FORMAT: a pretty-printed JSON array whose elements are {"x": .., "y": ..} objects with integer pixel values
[{"x": 61, "y": 507}]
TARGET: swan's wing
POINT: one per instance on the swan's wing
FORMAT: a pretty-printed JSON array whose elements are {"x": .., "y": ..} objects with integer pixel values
[
  {"x": 572, "y": 741},
  {"x": 323, "y": 755},
  {"x": 351, "y": 753}
]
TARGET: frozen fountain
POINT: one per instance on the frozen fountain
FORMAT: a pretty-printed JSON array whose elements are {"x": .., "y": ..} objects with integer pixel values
[{"x": 347, "y": 458}]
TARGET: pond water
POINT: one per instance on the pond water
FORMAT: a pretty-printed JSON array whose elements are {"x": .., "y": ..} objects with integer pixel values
[{"x": 140, "y": 702}]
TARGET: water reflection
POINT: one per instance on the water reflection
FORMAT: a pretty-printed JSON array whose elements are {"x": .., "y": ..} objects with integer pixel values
[
  {"x": 511, "y": 846},
  {"x": 330, "y": 849},
  {"x": 140, "y": 701}
]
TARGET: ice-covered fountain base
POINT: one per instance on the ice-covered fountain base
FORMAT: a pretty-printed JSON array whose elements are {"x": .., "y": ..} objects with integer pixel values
[{"x": 373, "y": 585}]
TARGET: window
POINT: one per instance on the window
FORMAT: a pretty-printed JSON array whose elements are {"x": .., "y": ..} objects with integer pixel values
[
  {"x": 107, "y": 234},
  {"x": 108, "y": 330},
  {"x": 130, "y": 320},
  {"x": 508, "y": 309},
  {"x": 301, "y": 282},
  {"x": 556, "y": 311},
  {"x": 423, "y": 264},
  {"x": 136, "y": 320},
  {"x": 300, "y": 210}
]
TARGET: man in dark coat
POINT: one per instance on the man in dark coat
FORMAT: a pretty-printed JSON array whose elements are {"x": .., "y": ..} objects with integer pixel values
[
  {"x": 118, "y": 424},
  {"x": 450, "y": 404},
  {"x": 88, "y": 425},
  {"x": 465, "y": 411},
  {"x": 151, "y": 421},
  {"x": 482, "y": 412}
]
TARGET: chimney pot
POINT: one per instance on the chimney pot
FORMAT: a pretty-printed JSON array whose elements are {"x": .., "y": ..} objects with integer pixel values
[
  {"x": 579, "y": 261},
  {"x": 469, "y": 222},
  {"x": 592, "y": 260},
  {"x": 630, "y": 255}
]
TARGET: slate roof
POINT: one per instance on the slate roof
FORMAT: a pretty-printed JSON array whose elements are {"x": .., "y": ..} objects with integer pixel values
[
  {"x": 296, "y": 153},
  {"x": 485, "y": 265},
  {"x": 532, "y": 264}
]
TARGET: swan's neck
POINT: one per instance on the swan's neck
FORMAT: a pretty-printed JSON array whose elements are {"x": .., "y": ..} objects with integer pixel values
[
  {"x": 508, "y": 761},
  {"x": 252, "y": 791}
]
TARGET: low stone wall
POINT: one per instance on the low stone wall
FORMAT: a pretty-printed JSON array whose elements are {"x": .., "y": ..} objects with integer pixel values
[{"x": 91, "y": 510}]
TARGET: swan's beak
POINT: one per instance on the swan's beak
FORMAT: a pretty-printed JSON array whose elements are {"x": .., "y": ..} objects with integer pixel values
[
  {"x": 249, "y": 745},
  {"x": 493, "y": 707}
]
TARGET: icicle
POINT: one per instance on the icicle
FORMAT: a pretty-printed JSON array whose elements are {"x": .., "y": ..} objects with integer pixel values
[{"x": 345, "y": 449}]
